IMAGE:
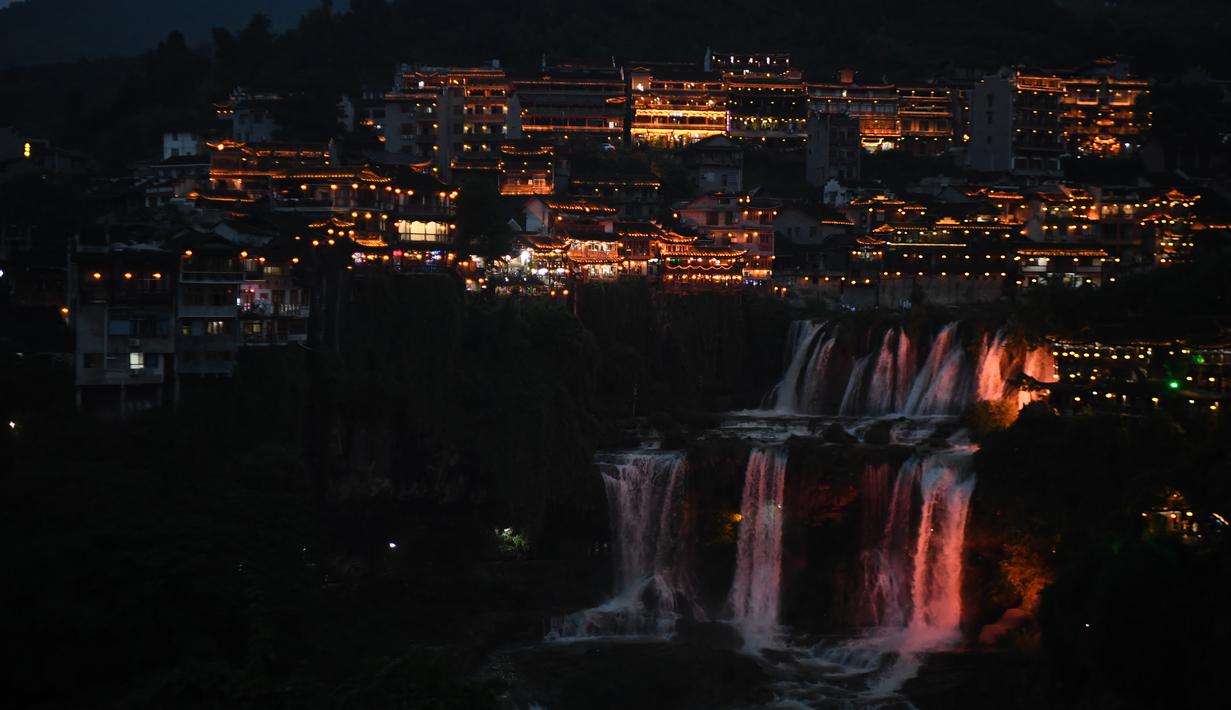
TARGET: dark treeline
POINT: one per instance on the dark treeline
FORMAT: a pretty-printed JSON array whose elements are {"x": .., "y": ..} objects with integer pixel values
[{"x": 115, "y": 107}]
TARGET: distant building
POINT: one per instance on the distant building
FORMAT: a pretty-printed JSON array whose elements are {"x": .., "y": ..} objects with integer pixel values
[
  {"x": 636, "y": 194},
  {"x": 251, "y": 116},
  {"x": 833, "y": 148},
  {"x": 122, "y": 310},
  {"x": 766, "y": 98},
  {"x": 1103, "y": 110},
  {"x": 874, "y": 107},
  {"x": 1015, "y": 124},
  {"x": 570, "y": 103},
  {"x": 737, "y": 221},
  {"x": 715, "y": 164},
  {"x": 181, "y": 144},
  {"x": 927, "y": 116},
  {"x": 207, "y": 307},
  {"x": 674, "y": 105},
  {"x": 527, "y": 167}
]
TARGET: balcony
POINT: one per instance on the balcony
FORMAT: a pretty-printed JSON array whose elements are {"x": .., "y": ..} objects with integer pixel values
[
  {"x": 212, "y": 277},
  {"x": 116, "y": 377},
  {"x": 201, "y": 311},
  {"x": 265, "y": 309}
]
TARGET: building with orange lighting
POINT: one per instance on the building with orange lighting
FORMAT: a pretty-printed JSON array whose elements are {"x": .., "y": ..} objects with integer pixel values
[
  {"x": 1103, "y": 110},
  {"x": 635, "y": 194},
  {"x": 450, "y": 117},
  {"x": 766, "y": 98},
  {"x": 874, "y": 107},
  {"x": 737, "y": 221},
  {"x": 570, "y": 103},
  {"x": 927, "y": 115},
  {"x": 674, "y": 105}
]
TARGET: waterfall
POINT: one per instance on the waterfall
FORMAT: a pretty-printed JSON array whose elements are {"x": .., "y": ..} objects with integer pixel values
[
  {"x": 884, "y": 376},
  {"x": 989, "y": 377},
  {"x": 912, "y": 572},
  {"x": 648, "y": 508},
  {"x": 758, "y": 571},
  {"x": 942, "y": 385},
  {"x": 905, "y": 371},
  {"x": 853, "y": 397},
  {"x": 801, "y": 339},
  {"x": 913, "y": 578},
  {"x": 887, "y": 379}
]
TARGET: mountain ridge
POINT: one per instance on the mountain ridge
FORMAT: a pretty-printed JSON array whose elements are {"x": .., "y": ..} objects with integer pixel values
[{"x": 53, "y": 31}]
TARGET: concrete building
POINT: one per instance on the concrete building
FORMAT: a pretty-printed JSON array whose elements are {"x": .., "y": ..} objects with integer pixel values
[
  {"x": 715, "y": 164},
  {"x": 833, "y": 148},
  {"x": 1015, "y": 124}
]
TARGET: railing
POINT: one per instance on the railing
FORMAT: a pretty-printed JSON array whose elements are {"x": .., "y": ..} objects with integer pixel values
[{"x": 284, "y": 310}]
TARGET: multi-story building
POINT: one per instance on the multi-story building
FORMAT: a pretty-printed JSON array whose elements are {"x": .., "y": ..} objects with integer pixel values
[
  {"x": 527, "y": 167},
  {"x": 715, "y": 164},
  {"x": 122, "y": 310},
  {"x": 833, "y": 148},
  {"x": 251, "y": 116},
  {"x": 240, "y": 173},
  {"x": 738, "y": 221},
  {"x": 450, "y": 117},
  {"x": 766, "y": 98},
  {"x": 674, "y": 105},
  {"x": 636, "y": 194},
  {"x": 1103, "y": 111},
  {"x": 1015, "y": 124},
  {"x": 873, "y": 106},
  {"x": 570, "y": 102},
  {"x": 273, "y": 308},
  {"x": 927, "y": 116},
  {"x": 207, "y": 307}
]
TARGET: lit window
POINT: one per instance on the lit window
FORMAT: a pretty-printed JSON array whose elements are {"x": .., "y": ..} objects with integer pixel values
[
  {"x": 215, "y": 327},
  {"x": 136, "y": 361}
]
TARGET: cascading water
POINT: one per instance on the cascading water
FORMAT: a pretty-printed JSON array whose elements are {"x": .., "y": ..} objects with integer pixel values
[
  {"x": 646, "y": 497},
  {"x": 801, "y": 338},
  {"x": 913, "y": 571},
  {"x": 939, "y": 378},
  {"x": 913, "y": 575},
  {"x": 756, "y": 588},
  {"x": 943, "y": 385}
]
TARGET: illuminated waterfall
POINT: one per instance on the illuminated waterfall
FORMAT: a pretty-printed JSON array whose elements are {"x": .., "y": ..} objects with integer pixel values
[
  {"x": 646, "y": 497},
  {"x": 757, "y": 585}
]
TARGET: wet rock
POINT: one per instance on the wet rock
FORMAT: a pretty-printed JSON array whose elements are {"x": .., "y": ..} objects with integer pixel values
[
  {"x": 835, "y": 434},
  {"x": 1010, "y": 620},
  {"x": 879, "y": 434},
  {"x": 708, "y": 634},
  {"x": 621, "y": 675}
]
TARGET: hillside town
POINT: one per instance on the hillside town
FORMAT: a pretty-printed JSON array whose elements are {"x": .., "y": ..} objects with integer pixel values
[{"x": 733, "y": 173}]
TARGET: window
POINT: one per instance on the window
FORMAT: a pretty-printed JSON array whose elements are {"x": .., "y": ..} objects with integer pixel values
[
  {"x": 136, "y": 361},
  {"x": 215, "y": 327}
]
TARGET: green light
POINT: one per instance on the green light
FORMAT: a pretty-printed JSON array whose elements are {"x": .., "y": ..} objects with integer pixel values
[{"x": 1175, "y": 385}]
